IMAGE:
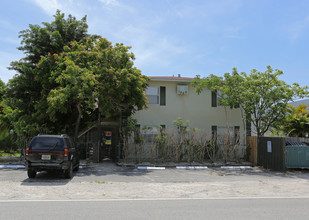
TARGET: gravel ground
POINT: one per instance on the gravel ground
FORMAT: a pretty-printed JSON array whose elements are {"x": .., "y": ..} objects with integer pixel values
[{"x": 108, "y": 181}]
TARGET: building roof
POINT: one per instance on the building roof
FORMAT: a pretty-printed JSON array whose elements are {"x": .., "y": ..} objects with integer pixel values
[
  {"x": 297, "y": 103},
  {"x": 171, "y": 78}
]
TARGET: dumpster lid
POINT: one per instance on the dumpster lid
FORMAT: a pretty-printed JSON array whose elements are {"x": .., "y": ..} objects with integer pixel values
[{"x": 293, "y": 143}]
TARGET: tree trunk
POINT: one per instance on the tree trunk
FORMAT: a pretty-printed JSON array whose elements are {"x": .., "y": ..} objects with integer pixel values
[{"x": 77, "y": 121}]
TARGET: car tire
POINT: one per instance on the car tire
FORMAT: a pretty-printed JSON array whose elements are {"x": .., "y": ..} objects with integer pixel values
[
  {"x": 77, "y": 167},
  {"x": 69, "y": 172},
  {"x": 31, "y": 173}
]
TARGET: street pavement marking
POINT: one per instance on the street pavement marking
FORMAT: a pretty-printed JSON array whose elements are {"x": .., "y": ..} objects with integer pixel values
[
  {"x": 192, "y": 167},
  {"x": 12, "y": 167},
  {"x": 150, "y": 168},
  {"x": 236, "y": 167}
]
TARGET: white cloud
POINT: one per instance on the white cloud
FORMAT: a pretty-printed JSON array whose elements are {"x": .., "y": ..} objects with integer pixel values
[
  {"x": 74, "y": 7},
  {"x": 49, "y": 6},
  {"x": 110, "y": 2}
]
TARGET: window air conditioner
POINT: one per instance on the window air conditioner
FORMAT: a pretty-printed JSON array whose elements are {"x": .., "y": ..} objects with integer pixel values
[{"x": 182, "y": 89}]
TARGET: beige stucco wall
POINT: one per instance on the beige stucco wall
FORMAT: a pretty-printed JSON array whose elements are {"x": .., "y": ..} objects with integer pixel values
[{"x": 193, "y": 107}]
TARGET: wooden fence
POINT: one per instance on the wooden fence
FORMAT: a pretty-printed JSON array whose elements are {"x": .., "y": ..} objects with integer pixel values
[{"x": 252, "y": 142}]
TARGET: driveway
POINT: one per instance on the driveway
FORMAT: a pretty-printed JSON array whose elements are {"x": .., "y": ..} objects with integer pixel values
[{"x": 109, "y": 181}]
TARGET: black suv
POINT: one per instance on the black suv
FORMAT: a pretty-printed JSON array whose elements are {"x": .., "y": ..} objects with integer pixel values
[{"x": 51, "y": 152}]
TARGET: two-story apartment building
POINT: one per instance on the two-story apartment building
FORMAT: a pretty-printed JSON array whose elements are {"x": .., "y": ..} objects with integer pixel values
[{"x": 172, "y": 97}]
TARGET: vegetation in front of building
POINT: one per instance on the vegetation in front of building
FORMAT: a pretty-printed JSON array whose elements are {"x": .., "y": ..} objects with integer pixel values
[{"x": 180, "y": 144}]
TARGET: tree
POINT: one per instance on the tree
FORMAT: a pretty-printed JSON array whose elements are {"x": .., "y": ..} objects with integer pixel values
[
  {"x": 2, "y": 89},
  {"x": 93, "y": 70},
  {"x": 25, "y": 91},
  {"x": 296, "y": 122},
  {"x": 62, "y": 74},
  {"x": 2, "y": 93},
  {"x": 261, "y": 96}
]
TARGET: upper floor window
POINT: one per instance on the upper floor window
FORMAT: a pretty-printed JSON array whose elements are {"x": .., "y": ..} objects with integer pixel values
[
  {"x": 152, "y": 93},
  {"x": 156, "y": 95},
  {"x": 216, "y": 97}
]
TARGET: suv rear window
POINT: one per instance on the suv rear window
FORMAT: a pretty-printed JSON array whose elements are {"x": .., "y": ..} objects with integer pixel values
[{"x": 47, "y": 143}]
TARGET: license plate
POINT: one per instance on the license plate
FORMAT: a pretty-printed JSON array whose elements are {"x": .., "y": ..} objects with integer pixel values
[{"x": 46, "y": 157}]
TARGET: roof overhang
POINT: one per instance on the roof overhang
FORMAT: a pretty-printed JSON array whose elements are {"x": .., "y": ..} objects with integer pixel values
[{"x": 171, "y": 79}]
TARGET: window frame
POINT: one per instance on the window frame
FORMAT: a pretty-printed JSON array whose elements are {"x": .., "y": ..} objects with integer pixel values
[{"x": 160, "y": 96}]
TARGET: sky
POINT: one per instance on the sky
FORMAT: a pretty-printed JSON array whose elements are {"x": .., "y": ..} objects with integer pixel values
[{"x": 187, "y": 37}]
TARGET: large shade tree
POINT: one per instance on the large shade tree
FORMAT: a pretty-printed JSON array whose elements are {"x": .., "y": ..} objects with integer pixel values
[
  {"x": 94, "y": 71},
  {"x": 261, "y": 96},
  {"x": 25, "y": 92},
  {"x": 64, "y": 70}
]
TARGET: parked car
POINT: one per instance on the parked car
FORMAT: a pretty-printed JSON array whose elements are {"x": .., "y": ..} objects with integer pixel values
[{"x": 50, "y": 153}]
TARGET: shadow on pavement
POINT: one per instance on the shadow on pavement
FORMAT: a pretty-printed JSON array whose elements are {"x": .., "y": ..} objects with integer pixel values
[
  {"x": 47, "y": 179},
  {"x": 108, "y": 167}
]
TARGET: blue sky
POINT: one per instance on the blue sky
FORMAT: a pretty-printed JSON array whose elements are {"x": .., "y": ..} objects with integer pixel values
[{"x": 187, "y": 37}]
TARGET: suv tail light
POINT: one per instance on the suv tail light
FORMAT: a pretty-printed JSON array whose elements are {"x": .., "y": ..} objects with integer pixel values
[
  {"x": 27, "y": 150},
  {"x": 66, "y": 152}
]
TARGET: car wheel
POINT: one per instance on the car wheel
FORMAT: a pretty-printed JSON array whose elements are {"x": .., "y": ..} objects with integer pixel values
[
  {"x": 77, "y": 167},
  {"x": 69, "y": 172},
  {"x": 31, "y": 173}
]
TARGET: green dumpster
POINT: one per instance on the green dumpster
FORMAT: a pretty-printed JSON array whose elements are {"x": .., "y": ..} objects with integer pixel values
[{"x": 297, "y": 156}]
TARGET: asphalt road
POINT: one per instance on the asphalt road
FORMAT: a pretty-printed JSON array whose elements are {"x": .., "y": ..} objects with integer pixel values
[{"x": 245, "y": 208}]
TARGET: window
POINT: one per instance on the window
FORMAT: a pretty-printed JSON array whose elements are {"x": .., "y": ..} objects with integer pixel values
[
  {"x": 213, "y": 99},
  {"x": 228, "y": 135},
  {"x": 162, "y": 95},
  {"x": 137, "y": 133},
  {"x": 216, "y": 96},
  {"x": 214, "y": 133},
  {"x": 219, "y": 97},
  {"x": 156, "y": 95},
  {"x": 47, "y": 143},
  {"x": 149, "y": 133},
  {"x": 248, "y": 126},
  {"x": 236, "y": 135},
  {"x": 152, "y": 94}
]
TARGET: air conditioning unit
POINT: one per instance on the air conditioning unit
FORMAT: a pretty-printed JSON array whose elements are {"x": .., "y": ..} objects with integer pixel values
[{"x": 182, "y": 90}]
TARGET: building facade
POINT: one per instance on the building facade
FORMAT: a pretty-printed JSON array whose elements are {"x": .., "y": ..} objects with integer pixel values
[{"x": 170, "y": 98}]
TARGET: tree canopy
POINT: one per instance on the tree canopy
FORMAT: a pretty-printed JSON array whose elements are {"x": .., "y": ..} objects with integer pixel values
[
  {"x": 94, "y": 71},
  {"x": 2, "y": 89},
  {"x": 262, "y": 96},
  {"x": 64, "y": 70},
  {"x": 25, "y": 92}
]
